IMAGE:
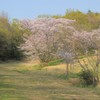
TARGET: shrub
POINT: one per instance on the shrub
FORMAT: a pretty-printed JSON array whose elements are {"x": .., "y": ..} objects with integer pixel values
[{"x": 87, "y": 78}]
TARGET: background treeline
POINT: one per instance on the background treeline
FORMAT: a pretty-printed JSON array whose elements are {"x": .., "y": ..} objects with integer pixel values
[
  {"x": 84, "y": 21},
  {"x": 11, "y": 36}
]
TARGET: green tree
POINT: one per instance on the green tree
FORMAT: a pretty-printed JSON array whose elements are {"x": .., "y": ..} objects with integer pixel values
[{"x": 10, "y": 39}]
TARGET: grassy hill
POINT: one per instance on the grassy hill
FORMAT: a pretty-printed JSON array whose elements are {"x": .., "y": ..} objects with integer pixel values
[{"x": 24, "y": 81}]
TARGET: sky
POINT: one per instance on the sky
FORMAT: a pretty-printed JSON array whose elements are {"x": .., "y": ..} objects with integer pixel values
[{"x": 23, "y": 9}]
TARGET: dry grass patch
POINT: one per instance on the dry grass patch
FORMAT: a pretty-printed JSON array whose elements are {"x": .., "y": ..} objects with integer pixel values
[{"x": 22, "y": 81}]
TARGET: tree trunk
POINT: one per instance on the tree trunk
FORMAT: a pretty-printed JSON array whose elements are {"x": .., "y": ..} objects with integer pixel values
[{"x": 67, "y": 69}]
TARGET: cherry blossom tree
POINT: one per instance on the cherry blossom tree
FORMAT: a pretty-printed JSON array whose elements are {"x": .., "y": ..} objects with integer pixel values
[
  {"x": 52, "y": 38},
  {"x": 45, "y": 35}
]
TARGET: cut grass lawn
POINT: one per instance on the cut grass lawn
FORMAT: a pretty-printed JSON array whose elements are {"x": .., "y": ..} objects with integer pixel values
[{"x": 24, "y": 81}]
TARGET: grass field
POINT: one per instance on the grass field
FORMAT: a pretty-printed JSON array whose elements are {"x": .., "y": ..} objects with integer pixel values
[{"x": 24, "y": 81}]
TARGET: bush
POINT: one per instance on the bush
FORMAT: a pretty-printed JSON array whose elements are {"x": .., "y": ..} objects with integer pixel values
[
  {"x": 87, "y": 78},
  {"x": 10, "y": 39}
]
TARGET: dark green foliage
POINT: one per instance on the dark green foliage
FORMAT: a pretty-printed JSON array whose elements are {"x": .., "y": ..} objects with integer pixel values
[
  {"x": 87, "y": 78},
  {"x": 10, "y": 39}
]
